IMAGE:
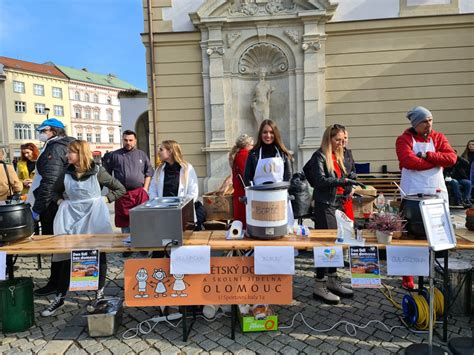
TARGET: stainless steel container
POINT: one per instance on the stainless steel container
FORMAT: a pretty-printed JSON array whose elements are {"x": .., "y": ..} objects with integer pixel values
[
  {"x": 107, "y": 318},
  {"x": 161, "y": 221}
]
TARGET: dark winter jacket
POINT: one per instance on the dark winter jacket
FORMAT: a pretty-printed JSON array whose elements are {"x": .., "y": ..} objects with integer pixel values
[
  {"x": 460, "y": 171},
  {"x": 268, "y": 151},
  {"x": 116, "y": 189},
  {"x": 50, "y": 165},
  {"x": 324, "y": 183}
]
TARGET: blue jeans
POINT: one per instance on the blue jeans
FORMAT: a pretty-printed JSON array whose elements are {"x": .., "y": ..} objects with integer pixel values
[
  {"x": 125, "y": 229},
  {"x": 457, "y": 186}
]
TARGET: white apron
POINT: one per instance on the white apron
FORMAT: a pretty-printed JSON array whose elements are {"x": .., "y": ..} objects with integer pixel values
[
  {"x": 426, "y": 182},
  {"x": 83, "y": 212},
  {"x": 272, "y": 170}
]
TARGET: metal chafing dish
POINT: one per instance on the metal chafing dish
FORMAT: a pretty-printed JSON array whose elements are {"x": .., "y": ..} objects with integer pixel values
[{"x": 160, "y": 221}]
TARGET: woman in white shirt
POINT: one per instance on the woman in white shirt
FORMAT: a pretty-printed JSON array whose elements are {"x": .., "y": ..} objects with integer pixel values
[{"x": 174, "y": 176}]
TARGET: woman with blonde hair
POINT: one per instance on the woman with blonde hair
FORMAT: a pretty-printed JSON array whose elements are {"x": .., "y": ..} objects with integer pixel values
[
  {"x": 329, "y": 178},
  {"x": 174, "y": 176},
  {"x": 237, "y": 160},
  {"x": 82, "y": 210},
  {"x": 26, "y": 166}
]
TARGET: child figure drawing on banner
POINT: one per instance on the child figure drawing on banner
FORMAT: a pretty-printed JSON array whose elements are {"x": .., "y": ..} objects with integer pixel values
[
  {"x": 179, "y": 285},
  {"x": 160, "y": 288},
  {"x": 142, "y": 277}
]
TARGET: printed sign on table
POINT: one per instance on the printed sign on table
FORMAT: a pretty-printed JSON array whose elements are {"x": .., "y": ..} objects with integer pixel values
[
  {"x": 191, "y": 260},
  {"x": 365, "y": 267},
  {"x": 84, "y": 270},
  {"x": 328, "y": 256},
  {"x": 3, "y": 265},
  {"x": 232, "y": 280},
  {"x": 408, "y": 261},
  {"x": 274, "y": 260}
]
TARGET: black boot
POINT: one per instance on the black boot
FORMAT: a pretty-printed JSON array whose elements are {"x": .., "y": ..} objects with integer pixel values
[{"x": 52, "y": 285}]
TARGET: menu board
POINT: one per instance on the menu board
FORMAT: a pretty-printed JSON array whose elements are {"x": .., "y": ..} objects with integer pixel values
[{"x": 438, "y": 225}]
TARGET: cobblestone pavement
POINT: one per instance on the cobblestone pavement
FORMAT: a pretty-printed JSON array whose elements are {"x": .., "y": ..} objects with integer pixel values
[{"x": 66, "y": 332}]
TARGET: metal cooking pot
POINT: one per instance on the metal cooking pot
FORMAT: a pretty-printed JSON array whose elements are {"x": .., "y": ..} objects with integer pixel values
[
  {"x": 267, "y": 210},
  {"x": 410, "y": 208},
  {"x": 16, "y": 222}
]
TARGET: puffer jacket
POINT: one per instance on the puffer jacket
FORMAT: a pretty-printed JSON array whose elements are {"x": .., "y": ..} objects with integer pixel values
[
  {"x": 325, "y": 183},
  {"x": 51, "y": 165}
]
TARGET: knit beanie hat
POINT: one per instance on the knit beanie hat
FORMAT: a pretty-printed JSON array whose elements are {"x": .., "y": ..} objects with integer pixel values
[{"x": 417, "y": 115}]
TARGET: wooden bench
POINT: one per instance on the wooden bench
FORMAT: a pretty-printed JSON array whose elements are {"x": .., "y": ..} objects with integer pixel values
[{"x": 383, "y": 182}]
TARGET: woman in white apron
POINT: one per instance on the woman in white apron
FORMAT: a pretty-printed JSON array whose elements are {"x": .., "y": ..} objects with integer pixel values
[
  {"x": 269, "y": 161},
  {"x": 82, "y": 210}
]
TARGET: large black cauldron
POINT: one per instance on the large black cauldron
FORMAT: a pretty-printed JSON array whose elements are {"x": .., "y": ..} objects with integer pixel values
[
  {"x": 410, "y": 208},
  {"x": 16, "y": 222}
]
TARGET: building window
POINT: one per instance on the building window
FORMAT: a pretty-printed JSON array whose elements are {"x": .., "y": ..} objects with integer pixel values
[
  {"x": 110, "y": 115},
  {"x": 38, "y": 89},
  {"x": 109, "y": 100},
  {"x": 77, "y": 96},
  {"x": 87, "y": 113},
  {"x": 58, "y": 110},
  {"x": 96, "y": 98},
  {"x": 23, "y": 130},
  {"x": 39, "y": 109},
  {"x": 96, "y": 115},
  {"x": 19, "y": 86},
  {"x": 111, "y": 137},
  {"x": 20, "y": 106},
  {"x": 77, "y": 112},
  {"x": 86, "y": 97},
  {"x": 89, "y": 137},
  {"x": 79, "y": 135},
  {"x": 57, "y": 93},
  {"x": 97, "y": 137}
]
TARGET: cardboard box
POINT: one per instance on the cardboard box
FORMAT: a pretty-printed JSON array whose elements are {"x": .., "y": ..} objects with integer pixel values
[
  {"x": 363, "y": 206},
  {"x": 250, "y": 324},
  {"x": 218, "y": 207}
]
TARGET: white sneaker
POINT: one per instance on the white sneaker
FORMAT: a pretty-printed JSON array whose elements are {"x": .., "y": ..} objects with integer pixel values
[
  {"x": 335, "y": 286},
  {"x": 322, "y": 293},
  {"x": 57, "y": 303}
]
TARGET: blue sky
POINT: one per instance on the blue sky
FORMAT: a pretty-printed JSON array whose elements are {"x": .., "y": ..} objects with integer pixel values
[{"x": 100, "y": 35}]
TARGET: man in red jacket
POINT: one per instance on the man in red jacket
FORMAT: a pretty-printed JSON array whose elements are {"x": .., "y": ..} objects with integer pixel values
[{"x": 422, "y": 154}]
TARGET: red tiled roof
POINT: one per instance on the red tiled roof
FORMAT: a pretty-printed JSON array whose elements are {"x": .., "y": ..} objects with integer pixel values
[{"x": 31, "y": 67}]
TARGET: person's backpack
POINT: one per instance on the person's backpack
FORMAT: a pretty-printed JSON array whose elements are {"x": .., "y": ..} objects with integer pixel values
[
  {"x": 308, "y": 170},
  {"x": 299, "y": 188}
]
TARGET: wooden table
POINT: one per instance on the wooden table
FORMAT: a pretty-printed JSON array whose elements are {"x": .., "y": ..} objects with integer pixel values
[{"x": 113, "y": 243}]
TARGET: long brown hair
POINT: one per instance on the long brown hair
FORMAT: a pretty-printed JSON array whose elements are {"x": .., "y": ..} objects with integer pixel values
[
  {"x": 326, "y": 147},
  {"x": 31, "y": 147},
  {"x": 83, "y": 150},
  {"x": 466, "y": 152},
  {"x": 278, "y": 142}
]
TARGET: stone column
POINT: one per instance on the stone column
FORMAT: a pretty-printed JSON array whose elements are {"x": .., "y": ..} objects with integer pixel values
[{"x": 313, "y": 100}]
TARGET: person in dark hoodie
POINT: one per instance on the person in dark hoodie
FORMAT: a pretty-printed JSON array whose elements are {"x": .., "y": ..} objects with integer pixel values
[
  {"x": 82, "y": 210},
  {"x": 50, "y": 166}
]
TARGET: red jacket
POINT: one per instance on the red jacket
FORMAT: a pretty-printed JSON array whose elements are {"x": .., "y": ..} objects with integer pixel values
[
  {"x": 444, "y": 155},
  {"x": 238, "y": 169}
]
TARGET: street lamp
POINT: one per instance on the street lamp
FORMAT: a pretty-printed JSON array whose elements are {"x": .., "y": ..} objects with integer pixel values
[{"x": 46, "y": 110}]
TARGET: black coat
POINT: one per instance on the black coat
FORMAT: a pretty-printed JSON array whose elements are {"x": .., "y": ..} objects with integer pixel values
[
  {"x": 325, "y": 183},
  {"x": 51, "y": 165}
]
